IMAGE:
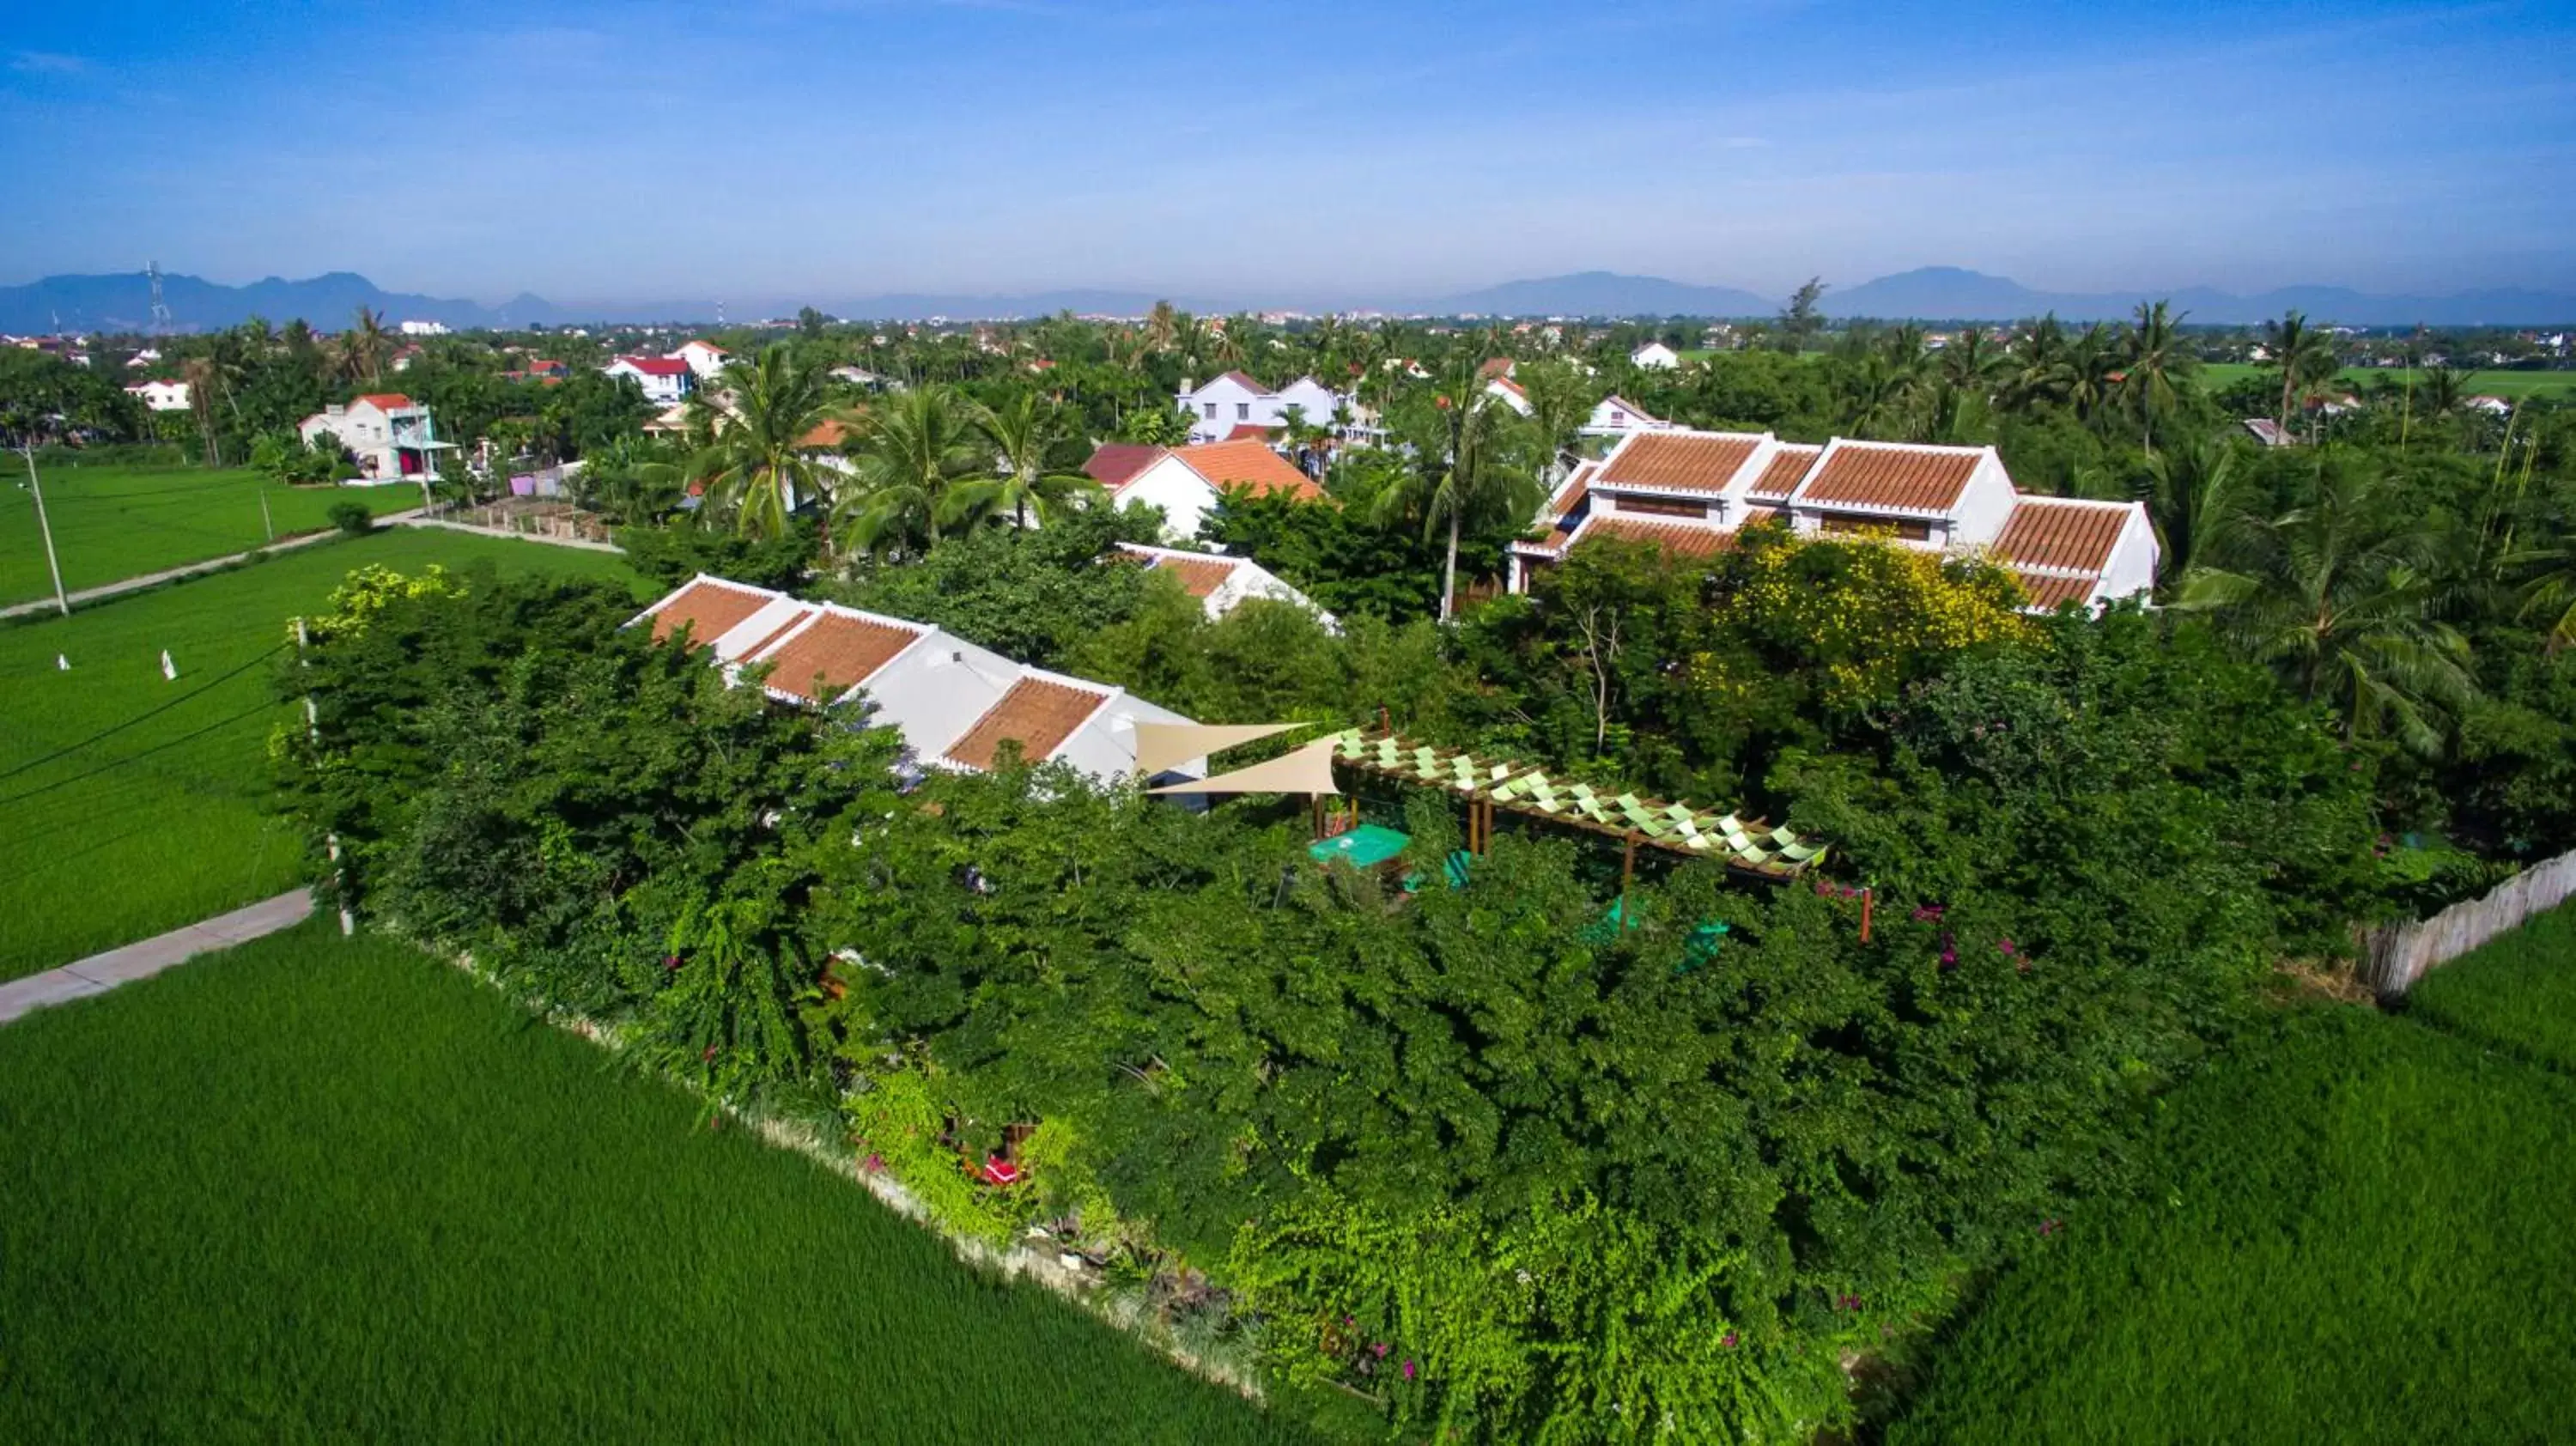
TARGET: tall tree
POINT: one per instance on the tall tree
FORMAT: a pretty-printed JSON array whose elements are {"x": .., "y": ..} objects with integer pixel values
[
  {"x": 2156, "y": 358},
  {"x": 910, "y": 450},
  {"x": 759, "y": 462},
  {"x": 1022, "y": 431},
  {"x": 365, "y": 346},
  {"x": 2302, "y": 354},
  {"x": 1802, "y": 318},
  {"x": 2192, "y": 493},
  {"x": 1470, "y": 463},
  {"x": 1561, "y": 399}
]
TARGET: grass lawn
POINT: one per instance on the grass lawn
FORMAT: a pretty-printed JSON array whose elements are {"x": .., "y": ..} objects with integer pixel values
[
  {"x": 317, "y": 1189},
  {"x": 2518, "y": 992},
  {"x": 2363, "y": 1237},
  {"x": 112, "y": 523},
  {"x": 2509, "y": 384},
  {"x": 165, "y": 821}
]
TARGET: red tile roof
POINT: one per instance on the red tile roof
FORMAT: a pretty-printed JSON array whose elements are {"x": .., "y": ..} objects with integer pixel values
[
  {"x": 2057, "y": 532},
  {"x": 1780, "y": 476},
  {"x": 1249, "y": 465},
  {"x": 1696, "y": 462},
  {"x": 386, "y": 401},
  {"x": 1893, "y": 476},
  {"x": 657, "y": 366},
  {"x": 1199, "y": 576},
  {"x": 1239, "y": 379},
  {"x": 703, "y": 344},
  {"x": 1243, "y": 430},
  {"x": 1680, "y": 539},
  {"x": 835, "y": 655},
  {"x": 1115, "y": 464},
  {"x": 1037, "y": 714},
  {"x": 710, "y": 609},
  {"x": 1500, "y": 366},
  {"x": 2048, "y": 590},
  {"x": 829, "y": 432}
]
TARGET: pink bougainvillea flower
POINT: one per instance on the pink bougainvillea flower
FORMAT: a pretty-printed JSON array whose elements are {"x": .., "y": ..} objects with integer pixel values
[
  {"x": 876, "y": 1164},
  {"x": 1408, "y": 1370},
  {"x": 670, "y": 961},
  {"x": 710, "y": 1055},
  {"x": 1381, "y": 1348},
  {"x": 2006, "y": 945},
  {"x": 1727, "y": 1340}
]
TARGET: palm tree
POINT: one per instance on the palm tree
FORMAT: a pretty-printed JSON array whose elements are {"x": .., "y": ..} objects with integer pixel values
[
  {"x": 2341, "y": 597},
  {"x": 1561, "y": 399},
  {"x": 200, "y": 373},
  {"x": 1162, "y": 327},
  {"x": 1022, "y": 431},
  {"x": 2155, "y": 359},
  {"x": 2191, "y": 494},
  {"x": 911, "y": 449},
  {"x": 364, "y": 346},
  {"x": 2551, "y": 589},
  {"x": 2041, "y": 366},
  {"x": 2304, "y": 355},
  {"x": 759, "y": 465},
  {"x": 1469, "y": 460}
]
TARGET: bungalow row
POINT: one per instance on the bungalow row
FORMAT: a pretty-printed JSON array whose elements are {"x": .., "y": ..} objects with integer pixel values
[
  {"x": 956, "y": 704},
  {"x": 1691, "y": 492}
]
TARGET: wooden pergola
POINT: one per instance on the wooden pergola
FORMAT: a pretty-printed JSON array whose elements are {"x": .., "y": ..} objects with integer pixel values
[{"x": 1752, "y": 847}]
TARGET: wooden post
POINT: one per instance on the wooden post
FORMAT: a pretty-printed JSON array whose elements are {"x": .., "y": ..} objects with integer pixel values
[
  {"x": 1868, "y": 896},
  {"x": 1627, "y": 871}
]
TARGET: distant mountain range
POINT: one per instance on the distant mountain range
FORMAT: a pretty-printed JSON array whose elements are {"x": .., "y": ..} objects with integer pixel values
[{"x": 123, "y": 302}]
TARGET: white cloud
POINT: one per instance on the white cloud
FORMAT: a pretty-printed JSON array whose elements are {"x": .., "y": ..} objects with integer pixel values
[{"x": 46, "y": 62}]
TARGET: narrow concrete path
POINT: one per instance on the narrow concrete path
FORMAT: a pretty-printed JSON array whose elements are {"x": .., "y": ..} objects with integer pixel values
[
  {"x": 155, "y": 579},
  {"x": 414, "y": 519},
  {"x": 100, "y": 973}
]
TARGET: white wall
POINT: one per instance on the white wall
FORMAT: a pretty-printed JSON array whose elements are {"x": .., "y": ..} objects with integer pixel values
[
  {"x": 2132, "y": 567},
  {"x": 658, "y": 389},
  {"x": 1984, "y": 505},
  {"x": 1179, "y": 490},
  {"x": 936, "y": 689}
]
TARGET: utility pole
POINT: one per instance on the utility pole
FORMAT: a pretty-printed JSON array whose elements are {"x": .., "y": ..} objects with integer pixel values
[
  {"x": 27, "y": 444},
  {"x": 265, "y": 522}
]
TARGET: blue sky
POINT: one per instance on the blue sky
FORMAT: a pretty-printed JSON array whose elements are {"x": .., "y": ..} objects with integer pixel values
[{"x": 1314, "y": 150}]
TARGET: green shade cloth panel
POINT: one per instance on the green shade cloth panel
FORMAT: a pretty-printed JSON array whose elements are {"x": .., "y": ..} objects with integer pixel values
[{"x": 1363, "y": 847}]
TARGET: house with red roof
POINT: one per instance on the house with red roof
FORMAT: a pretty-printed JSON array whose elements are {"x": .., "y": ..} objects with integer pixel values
[
  {"x": 392, "y": 437},
  {"x": 665, "y": 379},
  {"x": 1691, "y": 493},
  {"x": 703, "y": 358},
  {"x": 1185, "y": 482}
]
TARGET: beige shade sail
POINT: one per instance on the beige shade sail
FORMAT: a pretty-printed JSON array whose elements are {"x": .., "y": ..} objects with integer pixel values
[
  {"x": 1162, "y": 746},
  {"x": 1308, "y": 770}
]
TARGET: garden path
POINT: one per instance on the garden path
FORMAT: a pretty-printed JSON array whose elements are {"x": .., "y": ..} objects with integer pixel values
[{"x": 100, "y": 973}]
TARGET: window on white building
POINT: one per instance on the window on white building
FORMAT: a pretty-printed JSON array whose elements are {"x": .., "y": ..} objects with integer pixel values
[
  {"x": 1211, "y": 411},
  {"x": 1243, "y": 411}
]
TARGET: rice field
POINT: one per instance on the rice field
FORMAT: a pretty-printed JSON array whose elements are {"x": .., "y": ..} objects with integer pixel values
[
  {"x": 2518, "y": 993},
  {"x": 323, "y": 1189},
  {"x": 2555, "y": 385},
  {"x": 112, "y": 523},
  {"x": 130, "y": 803},
  {"x": 2362, "y": 1236}
]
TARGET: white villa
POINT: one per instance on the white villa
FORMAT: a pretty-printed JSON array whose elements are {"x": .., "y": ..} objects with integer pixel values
[
  {"x": 664, "y": 379},
  {"x": 1690, "y": 492},
  {"x": 956, "y": 704},
  {"x": 160, "y": 396},
  {"x": 392, "y": 436},
  {"x": 1221, "y": 582},
  {"x": 1654, "y": 356},
  {"x": 704, "y": 358},
  {"x": 1616, "y": 416},
  {"x": 1186, "y": 481},
  {"x": 1234, "y": 406}
]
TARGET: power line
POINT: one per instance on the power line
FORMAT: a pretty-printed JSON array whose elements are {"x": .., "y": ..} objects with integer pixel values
[
  {"x": 116, "y": 764},
  {"x": 114, "y": 729}
]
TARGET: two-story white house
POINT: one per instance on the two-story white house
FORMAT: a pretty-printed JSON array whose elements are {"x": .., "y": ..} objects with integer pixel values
[
  {"x": 664, "y": 379},
  {"x": 1185, "y": 482},
  {"x": 1231, "y": 402},
  {"x": 1691, "y": 493},
  {"x": 160, "y": 396},
  {"x": 392, "y": 436},
  {"x": 704, "y": 358}
]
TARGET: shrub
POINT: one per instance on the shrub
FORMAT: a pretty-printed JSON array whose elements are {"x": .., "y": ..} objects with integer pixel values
[{"x": 352, "y": 518}]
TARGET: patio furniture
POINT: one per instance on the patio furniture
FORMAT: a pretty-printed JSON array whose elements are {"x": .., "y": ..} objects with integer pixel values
[{"x": 1364, "y": 847}]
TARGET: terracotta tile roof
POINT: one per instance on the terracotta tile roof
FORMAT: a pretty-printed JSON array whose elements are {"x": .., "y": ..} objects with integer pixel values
[
  {"x": 829, "y": 432},
  {"x": 657, "y": 366},
  {"x": 710, "y": 609},
  {"x": 1239, "y": 379},
  {"x": 1243, "y": 430},
  {"x": 2056, "y": 532},
  {"x": 2049, "y": 589},
  {"x": 1892, "y": 476},
  {"x": 703, "y": 345},
  {"x": 1678, "y": 461},
  {"x": 386, "y": 401},
  {"x": 1679, "y": 539},
  {"x": 1500, "y": 366},
  {"x": 1252, "y": 465},
  {"x": 1036, "y": 713},
  {"x": 840, "y": 650},
  {"x": 1199, "y": 576},
  {"x": 780, "y": 631},
  {"x": 1115, "y": 464},
  {"x": 1507, "y": 384},
  {"x": 1780, "y": 476}
]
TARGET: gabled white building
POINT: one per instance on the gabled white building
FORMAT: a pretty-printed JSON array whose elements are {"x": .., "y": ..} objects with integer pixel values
[
  {"x": 1233, "y": 400},
  {"x": 1187, "y": 481},
  {"x": 160, "y": 396},
  {"x": 1221, "y": 582},
  {"x": 1692, "y": 492},
  {"x": 703, "y": 358},
  {"x": 955, "y": 704},
  {"x": 1654, "y": 356},
  {"x": 664, "y": 379},
  {"x": 392, "y": 436}
]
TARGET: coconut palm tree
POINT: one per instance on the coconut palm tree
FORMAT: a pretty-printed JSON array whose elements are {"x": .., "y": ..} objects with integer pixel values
[
  {"x": 1162, "y": 327},
  {"x": 364, "y": 347},
  {"x": 2549, "y": 593},
  {"x": 1022, "y": 431},
  {"x": 2191, "y": 494},
  {"x": 760, "y": 463},
  {"x": 2340, "y": 595},
  {"x": 200, "y": 373},
  {"x": 910, "y": 450},
  {"x": 2156, "y": 358},
  {"x": 1561, "y": 399},
  {"x": 2303, "y": 355},
  {"x": 1470, "y": 458}
]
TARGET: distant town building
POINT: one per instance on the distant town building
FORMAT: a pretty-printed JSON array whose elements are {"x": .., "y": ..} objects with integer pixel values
[
  {"x": 1654, "y": 356},
  {"x": 704, "y": 358},
  {"x": 1221, "y": 582},
  {"x": 423, "y": 328},
  {"x": 663, "y": 378},
  {"x": 161, "y": 396}
]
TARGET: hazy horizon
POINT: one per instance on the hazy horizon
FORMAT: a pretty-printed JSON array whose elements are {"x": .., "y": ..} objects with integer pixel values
[{"x": 654, "y": 151}]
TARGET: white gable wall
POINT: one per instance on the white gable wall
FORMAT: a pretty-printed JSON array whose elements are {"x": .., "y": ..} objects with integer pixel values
[
  {"x": 2132, "y": 565},
  {"x": 1177, "y": 488},
  {"x": 936, "y": 689}
]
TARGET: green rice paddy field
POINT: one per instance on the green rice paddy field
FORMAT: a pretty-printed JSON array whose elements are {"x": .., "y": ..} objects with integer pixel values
[
  {"x": 2556, "y": 385},
  {"x": 318, "y": 1189},
  {"x": 2363, "y": 1235},
  {"x": 112, "y": 523},
  {"x": 130, "y": 804}
]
